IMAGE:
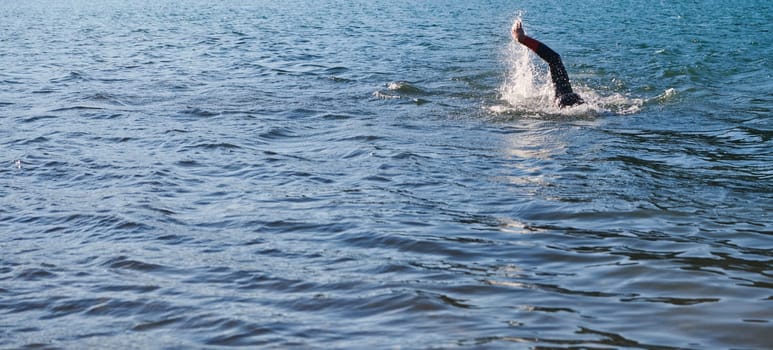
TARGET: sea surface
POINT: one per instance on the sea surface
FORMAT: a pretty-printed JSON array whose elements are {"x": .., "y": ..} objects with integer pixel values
[{"x": 346, "y": 174}]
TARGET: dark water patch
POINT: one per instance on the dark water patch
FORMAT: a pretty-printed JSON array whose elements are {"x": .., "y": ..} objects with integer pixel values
[
  {"x": 38, "y": 118},
  {"x": 213, "y": 146},
  {"x": 300, "y": 113},
  {"x": 219, "y": 275},
  {"x": 131, "y": 227},
  {"x": 120, "y": 308},
  {"x": 403, "y": 155},
  {"x": 115, "y": 139},
  {"x": 162, "y": 323},
  {"x": 40, "y": 346},
  {"x": 198, "y": 112},
  {"x": 107, "y": 98},
  {"x": 294, "y": 176},
  {"x": 23, "y": 305},
  {"x": 357, "y": 153},
  {"x": 288, "y": 226},
  {"x": 39, "y": 139},
  {"x": 125, "y": 263},
  {"x": 67, "y": 307},
  {"x": 421, "y": 245},
  {"x": 76, "y": 108},
  {"x": 109, "y": 80},
  {"x": 337, "y": 79},
  {"x": 278, "y": 133},
  {"x": 176, "y": 131},
  {"x": 93, "y": 226},
  {"x": 74, "y": 76},
  {"x": 27, "y": 329},
  {"x": 211, "y": 321},
  {"x": 274, "y": 283},
  {"x": 353, "y": 306},
  {"x": 336, "y": 70},
  {"x": 336, "y": 116},
  {"x": 671, "y": 300},
  {"x": 254, "y": 241},
  {"x": 174, "y": 239},
  {"x": 190, "y": 163},
  {"x": 362, "y": 138},
  {"x": 35, "y": 274},
  {"x": 596, "y": 340},
  {"x": 252, "y": 280},
  {"x": 242, "y": 336},
  {"x": 43, "y": 91},
  {"x": 126, "y": 288}
]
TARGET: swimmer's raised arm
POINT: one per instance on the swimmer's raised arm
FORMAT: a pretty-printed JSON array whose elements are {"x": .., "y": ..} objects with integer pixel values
[{"x": 564, "y": 94}]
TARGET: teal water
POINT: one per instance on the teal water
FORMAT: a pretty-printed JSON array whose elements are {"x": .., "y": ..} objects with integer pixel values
[{"x": 350, "y": 174}]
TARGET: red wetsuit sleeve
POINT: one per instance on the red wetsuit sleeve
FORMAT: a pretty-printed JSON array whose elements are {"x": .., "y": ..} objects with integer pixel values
[
  {"x": 530, "y": 43},
  {"x": 557, "y": 71}
]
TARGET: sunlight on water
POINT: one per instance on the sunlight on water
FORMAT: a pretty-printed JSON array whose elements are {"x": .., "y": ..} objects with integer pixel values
[{"x": 344, "y": 174}]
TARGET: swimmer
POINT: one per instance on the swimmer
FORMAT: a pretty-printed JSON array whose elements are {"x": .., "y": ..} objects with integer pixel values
[{"x": 564, "y": 94}]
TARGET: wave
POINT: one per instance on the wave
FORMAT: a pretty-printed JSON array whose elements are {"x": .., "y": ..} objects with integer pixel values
[{"x": 400, "y": 90}]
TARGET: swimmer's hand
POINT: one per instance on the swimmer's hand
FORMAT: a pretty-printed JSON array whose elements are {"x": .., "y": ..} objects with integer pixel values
[{"x": 518, "y": 33}]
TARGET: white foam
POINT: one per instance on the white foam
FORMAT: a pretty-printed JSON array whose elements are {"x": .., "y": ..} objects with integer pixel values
[{"x": 527, "y": 89}]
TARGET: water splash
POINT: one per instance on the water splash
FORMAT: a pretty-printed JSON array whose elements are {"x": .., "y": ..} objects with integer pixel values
[
  {"x": 401, "y": 89},
  {"x": 528, "y": 89}
]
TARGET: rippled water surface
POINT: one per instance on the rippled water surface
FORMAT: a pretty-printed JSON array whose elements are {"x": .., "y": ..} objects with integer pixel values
[{"x": 373, "y": 174}]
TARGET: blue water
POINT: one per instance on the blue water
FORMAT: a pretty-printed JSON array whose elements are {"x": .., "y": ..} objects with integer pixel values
[{"x": 368, "y": 174}]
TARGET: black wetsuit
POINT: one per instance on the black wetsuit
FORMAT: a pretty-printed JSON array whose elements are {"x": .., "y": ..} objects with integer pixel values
[{"x": 565, "y": 96}]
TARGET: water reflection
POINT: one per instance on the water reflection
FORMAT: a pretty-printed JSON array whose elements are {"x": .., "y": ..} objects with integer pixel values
[{"x": 531, "y": 151}]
